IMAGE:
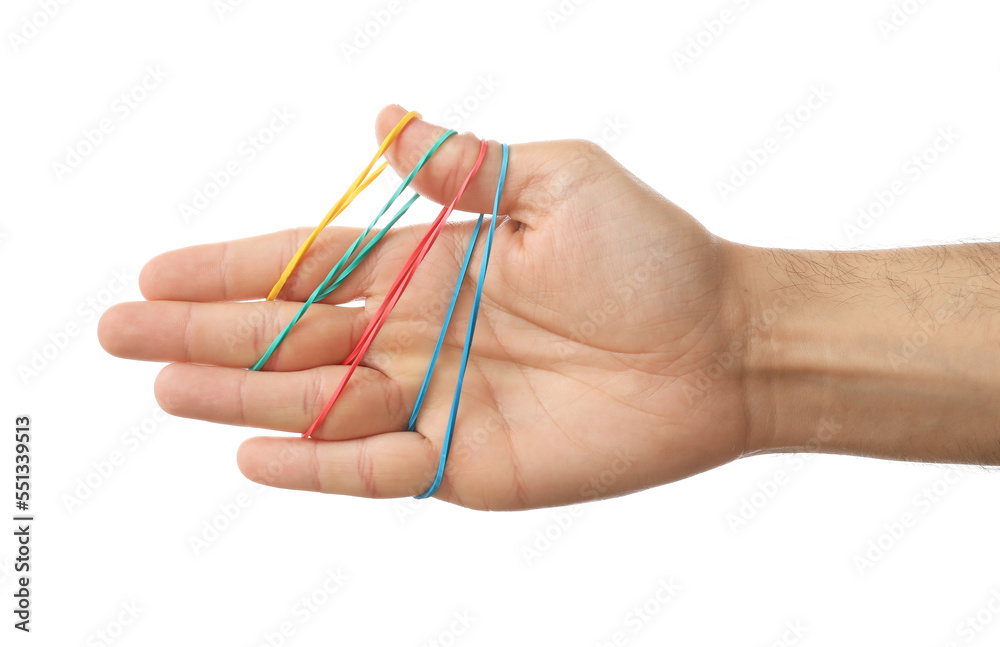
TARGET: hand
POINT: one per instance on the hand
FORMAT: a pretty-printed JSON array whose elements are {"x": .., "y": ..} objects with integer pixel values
[{"x": 600, "y": 364}]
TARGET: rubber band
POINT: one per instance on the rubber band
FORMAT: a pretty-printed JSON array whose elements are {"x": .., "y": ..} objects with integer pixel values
[
  {"x": 470, "y": 332},
  {"x": 395, "y": 292},
  {"x": 339, "y": 273},
  {"x": 362, "y": 182},
  {"x": 444, "y": 326}
]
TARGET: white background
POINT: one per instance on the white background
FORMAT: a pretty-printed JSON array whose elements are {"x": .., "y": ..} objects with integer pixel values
[{"x": 127, "y": 537}]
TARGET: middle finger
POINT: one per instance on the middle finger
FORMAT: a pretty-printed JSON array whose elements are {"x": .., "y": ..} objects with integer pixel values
[{"x": 231, "y": 334}]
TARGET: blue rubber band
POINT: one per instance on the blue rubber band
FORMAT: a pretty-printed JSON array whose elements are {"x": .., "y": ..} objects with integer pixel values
[
  {"x": 330, "y": 283},
  {"x": 444, "y": 327},
  {"x": 473, "y": 315}
]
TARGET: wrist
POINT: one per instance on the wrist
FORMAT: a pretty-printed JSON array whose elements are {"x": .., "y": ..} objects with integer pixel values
[
  {"x": 884, "y": 353},
  {"x": 760, "y": 307}
]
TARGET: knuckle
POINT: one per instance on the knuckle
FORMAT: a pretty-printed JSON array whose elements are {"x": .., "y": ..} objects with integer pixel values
[
  {"x": 366, "y": 470},
  {"x": 395, "y": 403},
  {"x": 313, "y": 397}
]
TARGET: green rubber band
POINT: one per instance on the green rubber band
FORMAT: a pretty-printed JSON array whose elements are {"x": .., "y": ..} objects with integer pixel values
[{"x": 339, "y": 273}]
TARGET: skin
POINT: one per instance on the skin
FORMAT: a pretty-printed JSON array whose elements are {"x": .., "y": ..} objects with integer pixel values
[{"x": 620, "y": 345}]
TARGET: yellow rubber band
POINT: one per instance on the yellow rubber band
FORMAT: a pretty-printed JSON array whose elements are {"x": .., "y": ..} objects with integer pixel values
[{"x": 359, "y": 185}]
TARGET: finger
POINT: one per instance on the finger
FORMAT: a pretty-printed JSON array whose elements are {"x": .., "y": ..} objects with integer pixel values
[
  {"x": 393, "y": 464},
  {"x": 529, "y": 167},
  {"x": 230, "y": 334},
  {"x": 371, "y": 403},
  {"x": 245, "y": 269}
]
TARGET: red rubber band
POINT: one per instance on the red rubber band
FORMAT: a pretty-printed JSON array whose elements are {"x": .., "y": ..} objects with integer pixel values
[{"x": 395, "y": 292}]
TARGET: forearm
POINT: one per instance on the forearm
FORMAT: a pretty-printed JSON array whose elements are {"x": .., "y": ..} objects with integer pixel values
[{"x": 889, "y": 353}]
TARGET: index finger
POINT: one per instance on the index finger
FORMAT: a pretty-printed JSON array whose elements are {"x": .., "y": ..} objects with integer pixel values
[{"x": 247, "y": 268}]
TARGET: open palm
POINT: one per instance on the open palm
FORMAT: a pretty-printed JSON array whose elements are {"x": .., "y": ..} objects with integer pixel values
[{"x": 600, "y": 363}]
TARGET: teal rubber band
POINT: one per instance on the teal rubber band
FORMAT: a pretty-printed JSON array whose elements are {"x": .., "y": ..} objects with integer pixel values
[
  {"x": 339, "y": 273},
  {"x": 367, "y": 248},
  {"x": 470, "y": 332},
  {"x": 316, "y": 296}
]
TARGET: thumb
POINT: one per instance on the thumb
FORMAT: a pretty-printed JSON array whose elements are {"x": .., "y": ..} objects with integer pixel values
[{"x": 538, "y": 174}]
